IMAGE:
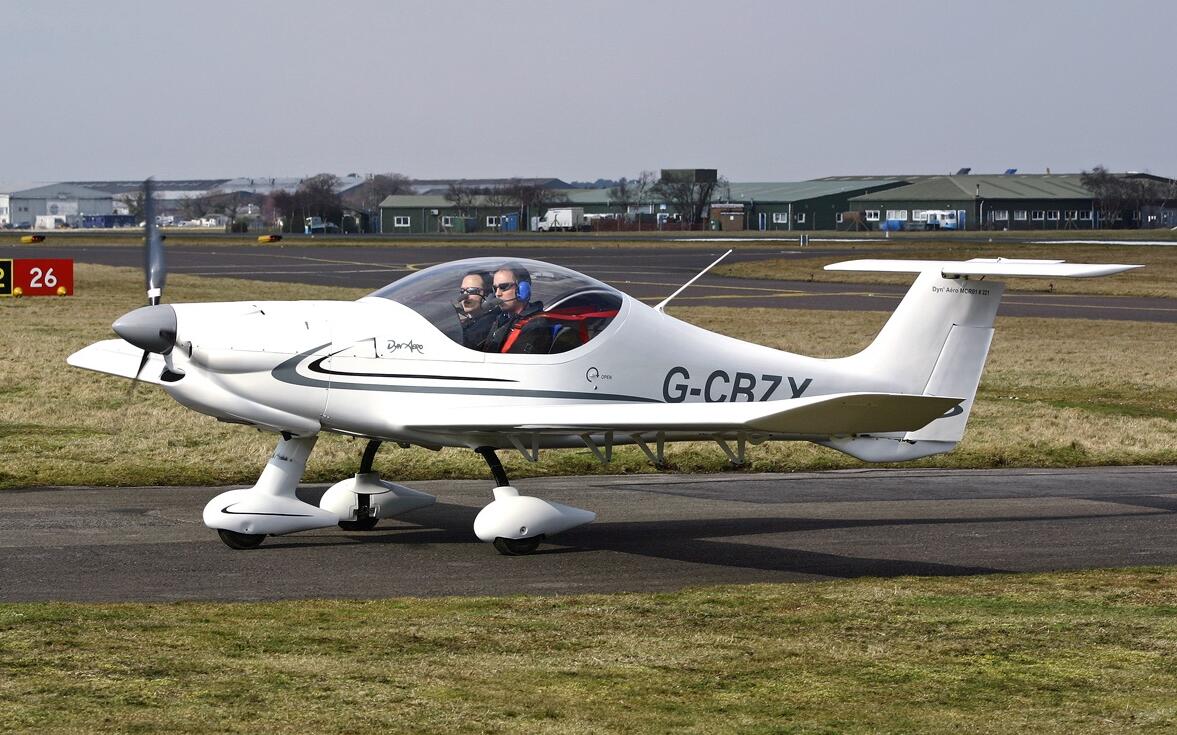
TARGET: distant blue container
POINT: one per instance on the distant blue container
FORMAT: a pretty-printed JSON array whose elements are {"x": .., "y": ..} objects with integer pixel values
[
  {"x": 892, "y": 225},
  {"x": 509, "y": 222}
]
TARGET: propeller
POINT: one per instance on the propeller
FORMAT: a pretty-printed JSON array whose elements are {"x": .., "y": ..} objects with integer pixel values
[
  {"x": 151, "y": 328},
  {"x": 154, "y": 270}
]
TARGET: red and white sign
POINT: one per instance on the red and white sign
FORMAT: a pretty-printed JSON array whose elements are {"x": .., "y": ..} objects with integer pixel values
[{"x": 37, "y": 277}]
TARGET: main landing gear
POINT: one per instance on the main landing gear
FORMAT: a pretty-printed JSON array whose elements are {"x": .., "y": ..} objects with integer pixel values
[
  {"x": 243, "y": 518},
  {"x": 516, "y": 524}
]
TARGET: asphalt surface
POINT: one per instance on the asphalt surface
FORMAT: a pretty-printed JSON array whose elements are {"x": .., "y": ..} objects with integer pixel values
[
  {"x": 652, "y": 533},
  {"x": 647, "y": 273}
]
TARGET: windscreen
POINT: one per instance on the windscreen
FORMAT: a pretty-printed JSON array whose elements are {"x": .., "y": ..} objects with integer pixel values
[{"x": 572, "y": 306}]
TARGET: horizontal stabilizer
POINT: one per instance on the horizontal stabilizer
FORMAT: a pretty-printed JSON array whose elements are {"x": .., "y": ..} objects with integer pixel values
[
  {"x": 833, "y": 415},
  {"x": 116, "y": 357},
  {"x": 985, "y": 267}
]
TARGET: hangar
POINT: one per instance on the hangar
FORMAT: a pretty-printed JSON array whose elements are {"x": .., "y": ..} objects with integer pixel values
[
  {"x": 60, "y": 203},
  {"x": 788, "y": 205},
  {"x": 997, "y": 202}
]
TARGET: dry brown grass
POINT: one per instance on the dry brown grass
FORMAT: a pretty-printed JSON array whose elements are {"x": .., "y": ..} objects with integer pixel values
[
  {"x": 1056, "y": 392},
  {"x": 1157, "y": 278}
]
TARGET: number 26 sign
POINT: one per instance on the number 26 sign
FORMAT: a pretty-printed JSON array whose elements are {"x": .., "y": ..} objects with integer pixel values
[{"x": 37, "y": 277}]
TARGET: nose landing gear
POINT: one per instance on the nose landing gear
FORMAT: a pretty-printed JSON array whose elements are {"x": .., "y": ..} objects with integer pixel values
[{"x": 516, "y": 524}]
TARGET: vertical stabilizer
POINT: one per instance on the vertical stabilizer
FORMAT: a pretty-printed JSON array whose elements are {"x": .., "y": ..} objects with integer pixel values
[
  {"x": 936, "y": 342},
  {"x": 917, "y": 337}
]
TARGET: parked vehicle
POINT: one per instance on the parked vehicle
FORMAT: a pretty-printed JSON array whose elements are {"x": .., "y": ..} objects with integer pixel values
[
  {"x": 563, "y": 218},
  {"x": 942, "y": 219}
]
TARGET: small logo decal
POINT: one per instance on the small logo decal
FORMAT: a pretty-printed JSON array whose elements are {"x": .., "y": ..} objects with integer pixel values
[
  {"x": 593, "y": 375},
  {"x": 394, "y": 346}
]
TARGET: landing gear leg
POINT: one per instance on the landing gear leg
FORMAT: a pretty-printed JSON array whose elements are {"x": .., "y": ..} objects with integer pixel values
[
  {"x": 243, "y": 518},
  {"x": 366, "y": 519},
  {"x": 496, "y": 467},
  {"x": 360, "y": 502},
  {"x": 516, "y": 524}
]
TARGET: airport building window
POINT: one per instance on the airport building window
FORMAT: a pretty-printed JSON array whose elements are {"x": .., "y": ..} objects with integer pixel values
[
  {"x": 780, "y": 218},
  {"x": 1020, "y": 215},
  {"x": 1085, "y": 214},
  {"x": 492, "y": 221},
  {"x": 872, "y": 215},
  {"x": 838, "y": 218},
  {"x": 1037, "y": 215},
  {"x": 800, "y": 217},
  {"x": 447, "y": 221},
  {"x": 400, "y": 221},
  {"x": 897, "y": 214},
  {"x": 1052, "y": 215},
  {"x": 1001, "y": 215},
  {"x": 919, "y": 215}
]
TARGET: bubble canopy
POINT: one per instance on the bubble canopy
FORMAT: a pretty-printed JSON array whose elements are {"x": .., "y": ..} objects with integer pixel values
[{"x": 566, "y": 299}]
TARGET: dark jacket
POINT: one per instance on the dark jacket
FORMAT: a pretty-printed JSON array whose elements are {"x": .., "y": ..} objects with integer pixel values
[{"x": 525, "y": 332}]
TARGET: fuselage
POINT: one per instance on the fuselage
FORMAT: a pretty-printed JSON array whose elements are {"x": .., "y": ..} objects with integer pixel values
[{"x": 369, "y": 367}]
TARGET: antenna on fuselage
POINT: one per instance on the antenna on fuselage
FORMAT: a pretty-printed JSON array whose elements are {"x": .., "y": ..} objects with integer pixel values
[{"x": 662, "y": 304}]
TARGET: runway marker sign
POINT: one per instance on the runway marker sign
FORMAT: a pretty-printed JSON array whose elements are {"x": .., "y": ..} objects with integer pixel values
[{"x": 37, "y": 277}]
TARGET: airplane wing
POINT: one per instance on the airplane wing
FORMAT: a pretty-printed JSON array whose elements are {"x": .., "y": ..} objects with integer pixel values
[
  {"x": 117, "y": 357},
  {"x": 986, "y": 267},
  {"x": 832, "y": 415}
]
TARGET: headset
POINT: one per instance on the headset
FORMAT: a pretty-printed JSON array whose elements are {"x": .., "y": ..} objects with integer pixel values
[{"x": 522, "y": 282}]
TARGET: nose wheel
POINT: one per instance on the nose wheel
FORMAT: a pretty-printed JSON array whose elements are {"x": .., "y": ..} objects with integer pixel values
[
  {"x": 517, "y": 524},
  {"x": 239, "y": 541},
  {"x": 517, "y": 546}
]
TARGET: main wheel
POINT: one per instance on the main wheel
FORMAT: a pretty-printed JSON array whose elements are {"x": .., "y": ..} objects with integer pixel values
[
  {"x": 364, "y": 524},
  {"x": 235, "y": 540},
  {"x": 517, "y": 546}
]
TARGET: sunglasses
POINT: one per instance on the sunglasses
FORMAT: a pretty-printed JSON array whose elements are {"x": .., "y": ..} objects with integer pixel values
[
  {"x": 472, "y": 291},
  {"x": 504, "y": 286}
]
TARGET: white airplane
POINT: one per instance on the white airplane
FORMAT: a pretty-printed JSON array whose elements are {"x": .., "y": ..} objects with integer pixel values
[{"x": 590, "y": 367}]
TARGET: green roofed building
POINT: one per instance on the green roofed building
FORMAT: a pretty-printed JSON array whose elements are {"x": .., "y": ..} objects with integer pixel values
[
  {"x": 992, "y": 202},
  {"x": 799, "y": 205}
]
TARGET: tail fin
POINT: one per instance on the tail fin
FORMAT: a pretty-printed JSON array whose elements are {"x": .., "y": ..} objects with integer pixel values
[{"x": 936, "y": 342}]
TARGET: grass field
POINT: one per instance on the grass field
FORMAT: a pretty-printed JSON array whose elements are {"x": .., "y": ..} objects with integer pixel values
[
  {"x": 1084, "y": 652},
  {"x": 1081, "y": 652},
  {"x": 1155, "y": 279},
  {"x": 1056, "y": 393}
]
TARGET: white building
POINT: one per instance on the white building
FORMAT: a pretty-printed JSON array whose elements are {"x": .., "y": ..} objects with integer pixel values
[{"x": 65, "y": 201}]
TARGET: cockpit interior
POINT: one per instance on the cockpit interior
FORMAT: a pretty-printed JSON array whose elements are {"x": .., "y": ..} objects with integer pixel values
[{"x": 556, "y": 311}]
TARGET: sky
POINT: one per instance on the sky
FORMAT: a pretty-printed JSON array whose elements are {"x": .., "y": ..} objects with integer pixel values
[{"x": 761, "y": 91}]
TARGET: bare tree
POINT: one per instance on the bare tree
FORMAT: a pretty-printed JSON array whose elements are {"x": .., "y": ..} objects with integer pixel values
[
  {"x": 136, "y": 203},
  {"x": 689, "y": 198},
  {"x": 229, "y": 204},
  {"x": 318, "y": 198},
  {"x": 499, "y": 197},
  {"x": 1109, "y": 192},
  {"x": 621, "y": 195},
  {"x": 462, "y": 197},
  {"x": 195, "y": 207}
]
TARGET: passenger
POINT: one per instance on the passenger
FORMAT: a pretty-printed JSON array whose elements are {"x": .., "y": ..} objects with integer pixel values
[
  {"x": 474, "y": 315},
  {"x": 518, "y": 327}
]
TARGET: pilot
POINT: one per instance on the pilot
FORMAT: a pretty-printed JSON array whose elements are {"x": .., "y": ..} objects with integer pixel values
[
  {"x": 518, "y": 328},
  {"x": 474, "y": 314}
]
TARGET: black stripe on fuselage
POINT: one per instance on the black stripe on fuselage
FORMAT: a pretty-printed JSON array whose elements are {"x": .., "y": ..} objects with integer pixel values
[
  {"x": 287, "y": 372},
  {"x": 317, "y": 367}
]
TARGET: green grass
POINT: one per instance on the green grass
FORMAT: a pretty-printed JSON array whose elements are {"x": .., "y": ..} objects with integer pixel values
[
  {"x": 1084, "y": 652},
  {"x": 1056, "y": 392}
]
